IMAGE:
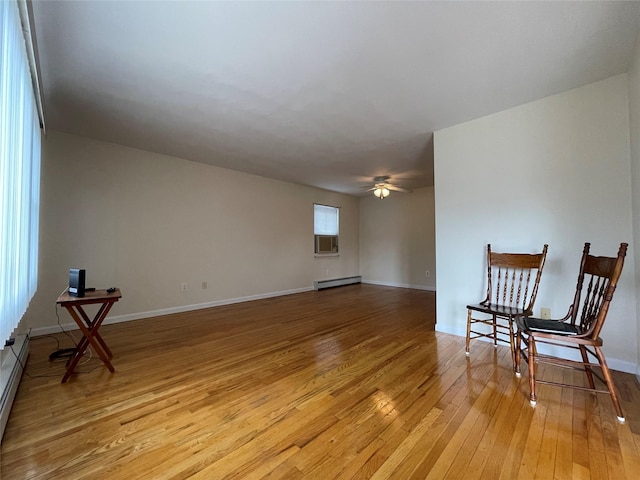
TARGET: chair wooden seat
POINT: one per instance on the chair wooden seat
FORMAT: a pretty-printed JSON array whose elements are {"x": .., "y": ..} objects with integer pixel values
[
  {"x": 512, "y": 286},
  {"x": 578, "y": 330},
  {"x": 500, "y": 310},
  {"x": 551, "y": 327}
]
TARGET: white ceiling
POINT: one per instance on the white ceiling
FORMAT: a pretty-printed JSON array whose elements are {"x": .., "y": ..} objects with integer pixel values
[{"x": 328, "y": 94}]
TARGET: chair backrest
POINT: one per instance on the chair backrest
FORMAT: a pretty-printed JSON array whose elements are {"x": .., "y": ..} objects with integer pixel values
[
  {"x": 513, "y": 278},
  {"x": 598, "y": 279}
]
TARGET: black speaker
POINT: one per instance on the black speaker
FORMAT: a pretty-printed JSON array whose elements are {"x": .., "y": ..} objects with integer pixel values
[{"x": 76, "y": 282}]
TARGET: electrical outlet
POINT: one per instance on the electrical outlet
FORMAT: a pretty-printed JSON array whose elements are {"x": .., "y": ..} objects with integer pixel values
[
  {"x": 183, "y": 286},
  {"x": 204, "y": 285},
  {"x": 545, "y": 313}
]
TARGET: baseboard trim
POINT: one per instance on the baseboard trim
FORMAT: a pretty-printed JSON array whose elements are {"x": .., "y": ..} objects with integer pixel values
[
  {"x": 621, "y": 365},
  {"x": 399, "y": 285},
  {"x": 458, "y": 332},
  {"x": 168, "y": 311},
  {"x": 612, "y": 362}
]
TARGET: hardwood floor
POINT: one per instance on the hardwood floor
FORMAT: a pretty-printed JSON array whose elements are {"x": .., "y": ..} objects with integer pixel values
[{"x": 345, "y": 383}]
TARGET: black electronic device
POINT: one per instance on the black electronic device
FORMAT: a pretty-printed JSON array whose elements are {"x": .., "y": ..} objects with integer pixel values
[{"x": 76, "y": 282}]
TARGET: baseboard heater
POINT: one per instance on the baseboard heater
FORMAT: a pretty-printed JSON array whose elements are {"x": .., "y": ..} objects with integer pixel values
[
  {"x": 336, "y": 282},
  {"x": 10, "y": 374}
]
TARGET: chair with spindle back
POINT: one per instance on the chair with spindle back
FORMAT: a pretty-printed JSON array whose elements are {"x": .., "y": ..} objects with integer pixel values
[
  {"x": 512, "y": 286},
  {"x": 578, "y": 330}
]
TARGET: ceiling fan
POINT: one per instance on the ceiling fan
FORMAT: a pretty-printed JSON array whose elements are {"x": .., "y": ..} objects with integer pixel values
[{"x": 381, "y": 187}]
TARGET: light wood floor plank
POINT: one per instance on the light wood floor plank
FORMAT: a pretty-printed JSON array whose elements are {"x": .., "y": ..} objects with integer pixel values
[
  {"x": 564, "y": 446},
  {"x": 347, "y": 383}
]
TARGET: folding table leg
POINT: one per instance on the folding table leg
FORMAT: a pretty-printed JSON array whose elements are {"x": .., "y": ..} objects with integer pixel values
[{"x": 90, "y": 337}]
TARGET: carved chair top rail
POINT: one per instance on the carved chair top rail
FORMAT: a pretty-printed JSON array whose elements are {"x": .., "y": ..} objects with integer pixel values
[{"x": 511, "y": 273}]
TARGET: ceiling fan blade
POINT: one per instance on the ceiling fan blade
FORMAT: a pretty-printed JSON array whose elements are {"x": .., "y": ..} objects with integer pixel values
[
  {"x": 398, "y": 189},
  {"x": 369, "y": 189}
]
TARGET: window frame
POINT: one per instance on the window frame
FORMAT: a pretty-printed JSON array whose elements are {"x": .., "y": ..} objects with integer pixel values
[{"x": 323, "y": 234}]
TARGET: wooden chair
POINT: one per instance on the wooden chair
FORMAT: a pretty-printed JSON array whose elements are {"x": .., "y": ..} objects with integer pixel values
[
  {"x": 512, "y": 286},
  {"x": 579, "y": 329}
]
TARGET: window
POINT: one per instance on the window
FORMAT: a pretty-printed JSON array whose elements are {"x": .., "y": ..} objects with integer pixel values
[
  {"x": 19, "y": 174},
  {"x": 325, "y": 229}
]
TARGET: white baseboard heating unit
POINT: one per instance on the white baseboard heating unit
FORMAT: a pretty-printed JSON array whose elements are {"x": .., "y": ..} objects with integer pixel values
[
  {"x": 336, "y": 282},
  {"x": 10, "y": 374}
]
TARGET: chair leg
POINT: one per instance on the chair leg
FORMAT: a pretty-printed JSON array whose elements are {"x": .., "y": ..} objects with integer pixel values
[
  {"x": 587, "y": 368},
  {"x": 518, "y": 348},
  {"x": 512, "y": 344},
  {"x": 466, "y": 350},
  {"x": 532, "y": 370},
  {"x": 495, "y": 332},
  {"x": 610, "y": 385}
]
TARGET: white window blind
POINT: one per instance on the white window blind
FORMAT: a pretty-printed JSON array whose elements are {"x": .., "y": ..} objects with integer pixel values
[
  {"x": 19, "y": 174},
  {"x": 325, "y": 220}
]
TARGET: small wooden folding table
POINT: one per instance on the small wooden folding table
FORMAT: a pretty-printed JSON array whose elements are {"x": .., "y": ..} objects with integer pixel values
[{"x": 89, "y": 328}]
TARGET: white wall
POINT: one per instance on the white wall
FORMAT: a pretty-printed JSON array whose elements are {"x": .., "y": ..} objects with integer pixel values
[
  {"x": 397, "y": 239},
  {"x": 553, "y": 171},
  {"x": 634, "y": 129},
  {"x": 146, "y": 222}
]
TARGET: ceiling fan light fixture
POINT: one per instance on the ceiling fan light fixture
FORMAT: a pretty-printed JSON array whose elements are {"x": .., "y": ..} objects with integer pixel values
[{"x": 381, "y": 192}]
